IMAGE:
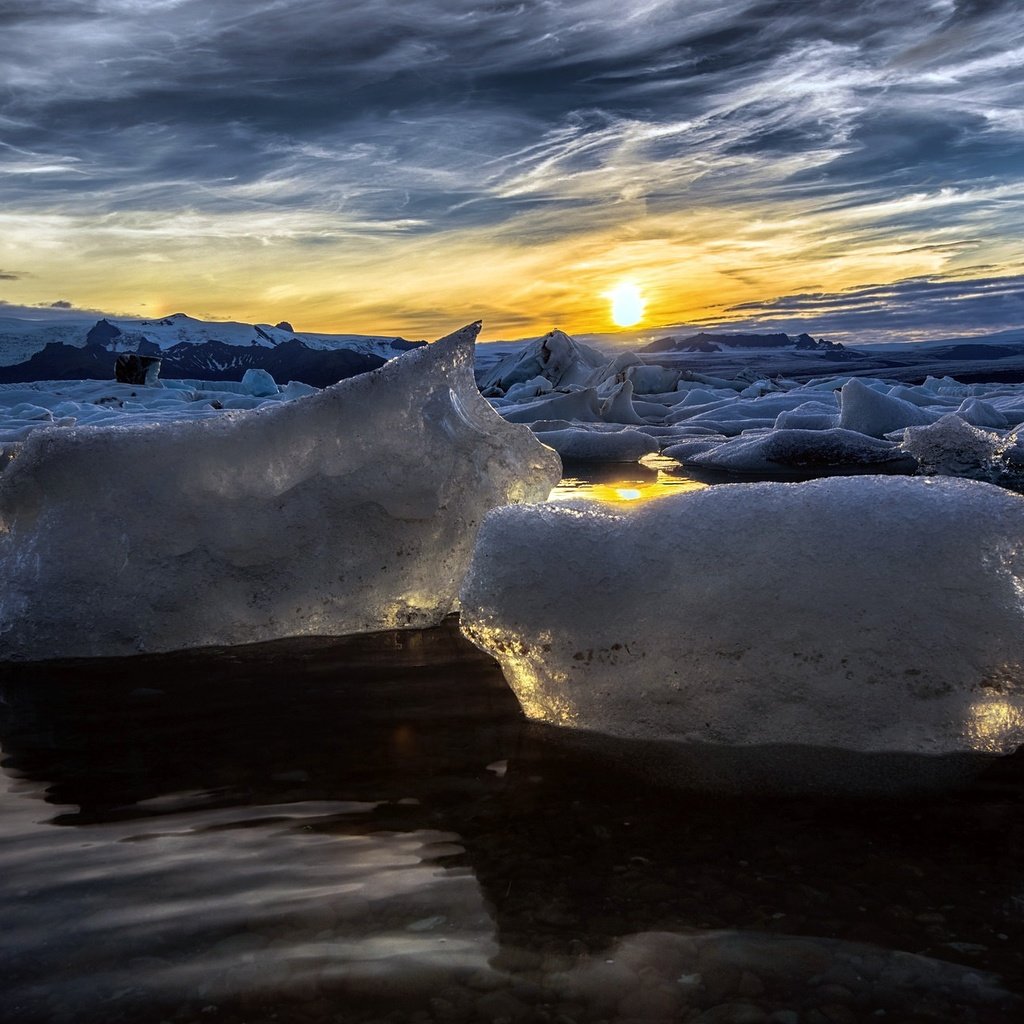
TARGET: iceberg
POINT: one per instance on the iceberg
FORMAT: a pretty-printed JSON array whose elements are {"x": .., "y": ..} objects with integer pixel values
[
  {"x": 870, "y": 615},
  {"x": 556, "y": 357},
  {"x": 579, "y": 445},
  {"x": 953, "y": 447},
  {"x": 351, "y": 510},
  {"x": 782, "y": 449},
  {"x": 868, "y": 411}
]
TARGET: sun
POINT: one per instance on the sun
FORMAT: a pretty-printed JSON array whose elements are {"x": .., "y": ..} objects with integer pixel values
[{"x": 627, "y": 304}]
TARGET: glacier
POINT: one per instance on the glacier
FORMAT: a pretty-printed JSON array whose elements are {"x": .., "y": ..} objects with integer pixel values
[
  {"x": 350, "y": 510},
  {"x": 873, "y": 615}
]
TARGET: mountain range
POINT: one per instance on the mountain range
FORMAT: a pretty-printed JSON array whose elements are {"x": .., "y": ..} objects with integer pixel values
[
  {"x": 188, "y": 349},
  {"x": 704, "y": 342}
]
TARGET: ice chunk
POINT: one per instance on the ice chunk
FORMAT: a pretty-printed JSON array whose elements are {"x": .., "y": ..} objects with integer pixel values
[
  {"x": 951, "y": 447},
  {"x": 296, "y": 389},
  {"x": 350, "y": 510},
  {"x": 649, "y": 380},
  {"x": 259, "y": 383},
  {"x": 557, "y": 357},
  {"x": 868, "y": 411},
  {"x": 858, "y": 614},
  {"x": 618, "y": 406},
  {"x": 583, "y": 406},
  {"x": 599, "y": 445},
  {"x": 532, "y": 388},
  {"x": 980, "y": 413},
  {"x": 809, "y": 416},
  {"x": 801, "y": 450}
]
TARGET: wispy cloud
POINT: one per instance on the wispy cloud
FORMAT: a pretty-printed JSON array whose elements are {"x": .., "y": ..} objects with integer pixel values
[
  {"x": 741, "y": 140},
  {"x": 911, "y": 309}
]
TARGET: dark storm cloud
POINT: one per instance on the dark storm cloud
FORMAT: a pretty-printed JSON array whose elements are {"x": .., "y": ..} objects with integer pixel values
[
  {"x": 7, "y": 275},
  {"x": 914, "y": 307}
]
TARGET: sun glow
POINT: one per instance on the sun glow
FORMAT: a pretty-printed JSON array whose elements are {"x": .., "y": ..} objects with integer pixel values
[{"x": 627, "y": 304}]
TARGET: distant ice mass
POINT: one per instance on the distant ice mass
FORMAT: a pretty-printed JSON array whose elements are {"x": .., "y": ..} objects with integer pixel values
[
  {"x": 769, "y": 406},
  {"x": 349, "y": 510},
  {"x": 869, "y": 616}
]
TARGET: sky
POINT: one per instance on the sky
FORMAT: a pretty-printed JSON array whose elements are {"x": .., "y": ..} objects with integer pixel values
[{"x": 855, "y": 169}]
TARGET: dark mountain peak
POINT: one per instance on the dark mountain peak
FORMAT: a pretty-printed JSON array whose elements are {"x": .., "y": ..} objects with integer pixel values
[
  {"x": 102, "y": 333},
  {"x": 705, "y": 342},
  {"x": 805, "y": 342}
]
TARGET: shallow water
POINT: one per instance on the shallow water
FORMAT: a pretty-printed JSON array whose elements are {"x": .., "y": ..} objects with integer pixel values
[{"x": 365, "y": 830}]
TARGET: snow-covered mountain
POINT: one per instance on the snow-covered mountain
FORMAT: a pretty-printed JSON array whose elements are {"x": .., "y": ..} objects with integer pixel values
[{"x": 188, "y": 347}]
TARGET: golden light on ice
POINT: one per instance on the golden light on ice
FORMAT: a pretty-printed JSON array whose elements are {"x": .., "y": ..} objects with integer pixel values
[{"x": 627, "y": 304}]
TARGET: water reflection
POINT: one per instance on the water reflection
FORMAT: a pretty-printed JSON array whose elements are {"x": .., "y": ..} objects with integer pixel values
[
  {"x": 624, "y": 485},
  {"x": 318, "y": 831}
]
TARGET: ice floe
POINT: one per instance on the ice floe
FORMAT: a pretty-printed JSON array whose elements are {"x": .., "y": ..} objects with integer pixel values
[
  {"x": 345, "y": 511},
  {"x": 871, "y": 615},
  {"x": 802, "y": 451},
  {"x": 765, "y": 425}
]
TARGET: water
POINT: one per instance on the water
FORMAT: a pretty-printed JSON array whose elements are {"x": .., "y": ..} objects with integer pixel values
[
  {"x": 369, "y": 830},
  {"x": 655, "y": 477}
]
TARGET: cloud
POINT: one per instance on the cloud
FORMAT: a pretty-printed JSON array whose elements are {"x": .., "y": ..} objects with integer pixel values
[
  {"x": 855, "y": 127},
  {"x": 911, "y": 309},
  {"x": 9, "y": 275},
  {"x": 56, "y": 311}
]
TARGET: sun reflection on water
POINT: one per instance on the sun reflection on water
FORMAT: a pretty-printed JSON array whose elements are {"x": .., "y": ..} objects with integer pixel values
[{"x": 625, "y": 490}]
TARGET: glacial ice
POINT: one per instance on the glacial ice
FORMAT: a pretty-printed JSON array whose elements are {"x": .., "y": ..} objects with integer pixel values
[
  {"x": 575, "y": 444},
  {"x": 574, "y": 387},
  {"x": 870, "y": 614},
  {"x": 350, "y": 510},
  {"x": 869, "y": 411},
  {"x": 952, "y": 447},
  {"x": 556, "y": 357},
  {"x": 797, "y": 450}
]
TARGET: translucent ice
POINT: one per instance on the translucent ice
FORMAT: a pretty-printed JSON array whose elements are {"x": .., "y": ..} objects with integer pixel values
[
  {"x": 952, "y": 447},
  {"x": 350, "y": 510},
  {"x": 867, "y": 614}
]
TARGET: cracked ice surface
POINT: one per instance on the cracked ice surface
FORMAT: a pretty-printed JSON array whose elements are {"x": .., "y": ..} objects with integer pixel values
[
  {"x": 870, "y": 614},
  {"x": 350, "y": 510}
]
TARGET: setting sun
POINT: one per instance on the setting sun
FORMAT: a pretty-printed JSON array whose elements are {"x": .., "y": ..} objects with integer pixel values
[{"x": 627, "y": 304}]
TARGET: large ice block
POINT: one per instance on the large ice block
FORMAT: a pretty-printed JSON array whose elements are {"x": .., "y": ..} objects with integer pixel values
[
  {"x": 867, "y": 614},
  {"x": 346, "y": 511}
]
